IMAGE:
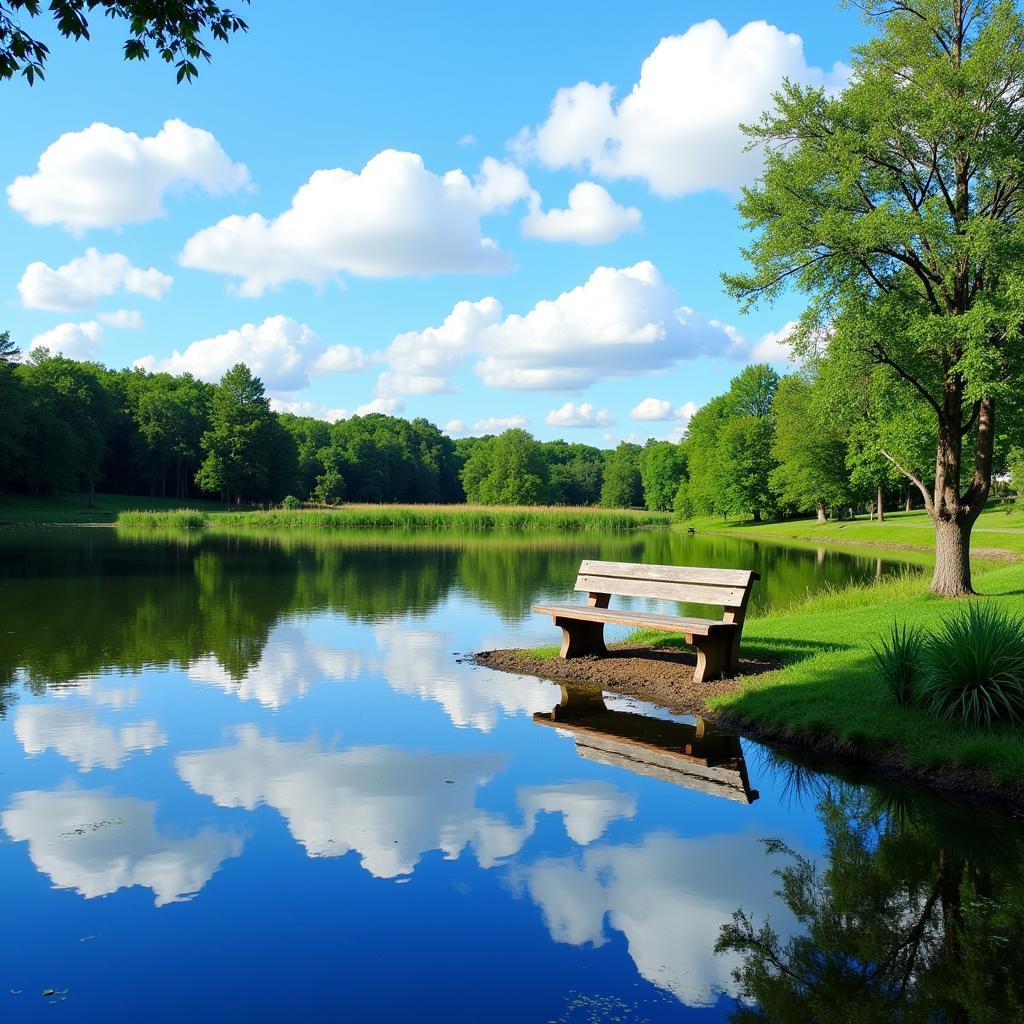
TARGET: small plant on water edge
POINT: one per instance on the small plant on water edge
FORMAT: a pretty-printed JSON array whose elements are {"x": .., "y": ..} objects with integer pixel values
[
  {"x": 898, "y": 656},
  {"x": 291, "y": 503},
  {"x": 973, "y": 667}
]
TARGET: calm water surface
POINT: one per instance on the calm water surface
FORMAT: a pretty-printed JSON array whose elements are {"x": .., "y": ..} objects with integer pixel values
[{"x": 250, "y": 779}]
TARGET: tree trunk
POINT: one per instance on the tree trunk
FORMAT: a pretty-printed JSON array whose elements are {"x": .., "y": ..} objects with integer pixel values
[
  {"x": 952, "y": 576},
  {"x": 881, "y": 503},
  {"x": 907, "y": 503},
  {"x": 92, "y": 493},
  {"x": 954, "y": 514},
  {"x": 822, "y": 513},
  {"x": 757, "y": 515}
]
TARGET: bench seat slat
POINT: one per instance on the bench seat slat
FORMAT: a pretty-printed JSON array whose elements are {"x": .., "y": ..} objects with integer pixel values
[
  {"x": 670, "y": 573},
  {"x": 727, "y": 597},
  {"x": 625, "y": 617}
]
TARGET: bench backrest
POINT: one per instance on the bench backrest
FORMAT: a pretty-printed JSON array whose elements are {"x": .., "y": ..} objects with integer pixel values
[{"x": 728, "y": 588}]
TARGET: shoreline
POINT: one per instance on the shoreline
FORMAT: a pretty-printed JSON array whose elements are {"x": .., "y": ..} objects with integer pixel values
[{"x": 821, "y": 752}]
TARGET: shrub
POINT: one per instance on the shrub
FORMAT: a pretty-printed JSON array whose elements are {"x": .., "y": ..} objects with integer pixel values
[
  {"x": 974, "y": 667},
  {"x": 291, "y": 503},
  {"x": 898, "y": 656}
]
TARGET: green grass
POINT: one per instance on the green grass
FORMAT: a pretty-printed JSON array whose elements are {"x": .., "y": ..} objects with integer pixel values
[
  {"x": 830, "y": 691},
  {"x": 168, "y": 519},
  {"x": 74, "y": 508},
  {"x": 467, "y": 518},
  {"x": 994, "y": 529}
]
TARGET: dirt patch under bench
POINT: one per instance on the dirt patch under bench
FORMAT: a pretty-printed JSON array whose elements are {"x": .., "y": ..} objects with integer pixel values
[{"x": 662, "y": 675}]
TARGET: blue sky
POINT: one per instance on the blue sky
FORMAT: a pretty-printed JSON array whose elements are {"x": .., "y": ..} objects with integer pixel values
[{"x": 489, "y": 279}]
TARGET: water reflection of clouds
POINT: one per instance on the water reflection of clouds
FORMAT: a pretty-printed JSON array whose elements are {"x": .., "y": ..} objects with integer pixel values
[
  {"x": 667, "y": 895},
  {"x": 290, "y": 666},
  {"x": 78, "y": 735},
  {"x": 419, "y": 663},
  {"x": 96, "y": 843},
  {"x": 388, "y": 805}
]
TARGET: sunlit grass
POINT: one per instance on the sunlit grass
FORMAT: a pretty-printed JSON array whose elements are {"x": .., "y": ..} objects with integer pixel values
[
  {"x": 469, "y": 518},
  {"x": 171, "y": 519}
]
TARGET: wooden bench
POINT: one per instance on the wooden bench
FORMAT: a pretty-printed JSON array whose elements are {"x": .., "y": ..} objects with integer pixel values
[{"x": 717, "y": 641}]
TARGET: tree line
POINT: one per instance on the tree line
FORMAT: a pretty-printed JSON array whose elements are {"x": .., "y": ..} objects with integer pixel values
[{"x": 79, "y": 426}]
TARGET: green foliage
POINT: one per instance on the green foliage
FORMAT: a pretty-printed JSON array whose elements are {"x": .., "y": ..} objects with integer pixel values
[
  {"x": 729, "y": 448},
  {"x": 245, "y": 448},
  {"x": 290, "y": 503},
  {"x": 974, "y": 667},
  {"x": 172, "y": 28},
  {"x": 894, "y": 206},
  {"x": 622, "y": 487},
  {"x": 898, "y": 657},
  {"x": 1015, "y": 467},
  {"x": 575, "y": 472},
  {"x": 808, "y": 449},
  {"x": 662, "y": 469},
  {"x": 506, "y": 470}
]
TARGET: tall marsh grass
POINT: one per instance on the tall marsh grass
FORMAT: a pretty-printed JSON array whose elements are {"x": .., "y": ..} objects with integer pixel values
[
  {"x": 468, "y": 518},
  {"x": 170, "y": 519}
]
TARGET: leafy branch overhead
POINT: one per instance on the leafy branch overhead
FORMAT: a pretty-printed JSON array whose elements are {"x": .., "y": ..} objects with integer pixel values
[{"x": 175, "y": 30}]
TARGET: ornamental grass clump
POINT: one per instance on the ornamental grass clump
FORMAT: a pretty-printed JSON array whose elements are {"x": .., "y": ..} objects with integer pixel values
[
  {"x": 898, "y": 656},
  {"x": 973, "y": 667}
]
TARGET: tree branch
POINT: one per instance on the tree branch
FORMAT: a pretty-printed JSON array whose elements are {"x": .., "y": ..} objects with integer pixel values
[{"x": 929, "y": 504}]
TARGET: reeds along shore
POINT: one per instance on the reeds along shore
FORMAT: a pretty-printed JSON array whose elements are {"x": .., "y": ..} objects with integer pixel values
[{"x": 470, "y": 518}]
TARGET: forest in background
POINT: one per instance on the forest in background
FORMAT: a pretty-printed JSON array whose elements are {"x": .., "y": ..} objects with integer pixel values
[{"x": 769, "y": 446}]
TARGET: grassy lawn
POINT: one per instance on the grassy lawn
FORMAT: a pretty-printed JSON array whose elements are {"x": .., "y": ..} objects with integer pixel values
[
  {"x": 828, "y": 694},
  {"x": 74, "y": 508},
  {"x": 994, "y": 529}
]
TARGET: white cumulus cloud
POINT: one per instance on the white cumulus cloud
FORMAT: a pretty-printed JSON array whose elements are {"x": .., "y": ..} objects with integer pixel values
[
  {"x": 423, "y": 361},
  {"x": 75, "y": 341},
  {"x": 584, "y": 415},
  {"x": 774, "y": 346},
  {"x": 591, "y": 218},
  {"x": 620, "y": 322},
  {"x": 79, "y": 283},
  {"x": 280, "y": 351},
  {"x": 652, "y": 409},
  {"x": 105, "y": 177},
  {"x": 394, "y": 218},
  {"x": 678, "y": 128},
  {"x": 125, "y": 319},
  {"x": 499, "y": 424}
]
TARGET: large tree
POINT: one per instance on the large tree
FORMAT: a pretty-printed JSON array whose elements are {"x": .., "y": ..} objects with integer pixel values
[
  {"x": 896, "y": 206},
  {"x": 239, "y": 446},
  {"x": 172, "y": 29}
]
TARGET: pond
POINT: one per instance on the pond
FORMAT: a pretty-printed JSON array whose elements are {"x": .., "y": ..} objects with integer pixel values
[{"x": 254, "y": 778}]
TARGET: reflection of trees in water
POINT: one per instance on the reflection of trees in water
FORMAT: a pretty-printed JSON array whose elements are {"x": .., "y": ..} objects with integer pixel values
[
  {"x": 918, "y": 916},
  {"x": 75, "y": 603}
]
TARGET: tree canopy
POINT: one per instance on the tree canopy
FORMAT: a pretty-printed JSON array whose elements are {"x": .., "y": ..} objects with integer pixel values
[
  {"x": 173, "y": 30},
  {"x": 895, "y": 206}
]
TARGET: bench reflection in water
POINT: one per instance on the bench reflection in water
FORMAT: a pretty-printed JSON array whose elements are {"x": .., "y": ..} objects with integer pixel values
[{"x": 698, "y": 756}]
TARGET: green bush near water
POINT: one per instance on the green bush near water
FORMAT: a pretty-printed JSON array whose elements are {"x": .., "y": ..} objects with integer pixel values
[
  {"x": 898, "y": 656},
  {"x": 468, "y": 518},
  {"x": 973, "y": 668}
]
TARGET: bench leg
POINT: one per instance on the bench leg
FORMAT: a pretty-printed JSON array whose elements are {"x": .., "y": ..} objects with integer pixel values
[
  {"x": 713, "y": 659},
  {"x": 580, "y": 638}
]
